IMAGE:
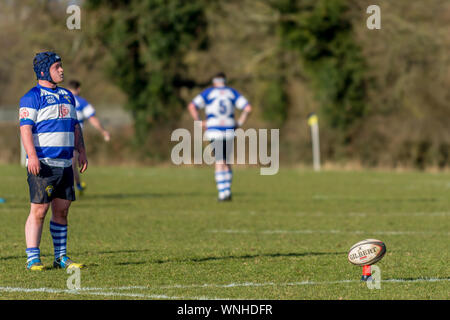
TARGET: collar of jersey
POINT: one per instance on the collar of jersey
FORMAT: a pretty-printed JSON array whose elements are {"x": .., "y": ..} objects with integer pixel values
[{"x": 48, "y": 89}]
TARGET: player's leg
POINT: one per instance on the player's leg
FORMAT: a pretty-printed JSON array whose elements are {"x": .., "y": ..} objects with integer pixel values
[
  {"x": 58, "y": 230},
  {"x": 229, "y": 179},
  {"x": 41, "y": 187},
  {"x": 33, "y": 233},
  {"x": 64, "y": 196},
  {"x": 223, "y": 182},
  {"x": 227, "y": 167},
  {"x": 58, "y": 226},
  {"x": 81, "y": 186},
  {"x": 34, "y": 223}
]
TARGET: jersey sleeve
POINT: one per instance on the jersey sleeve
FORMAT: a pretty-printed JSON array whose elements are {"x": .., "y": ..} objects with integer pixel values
[
  {"x": 85, "y": 108},
  {"x": 88, "y": 111},
  {"x": 240, "y": 101},
  {"x": 199, "y": 101},
  {"x": 28, "y": 109}
]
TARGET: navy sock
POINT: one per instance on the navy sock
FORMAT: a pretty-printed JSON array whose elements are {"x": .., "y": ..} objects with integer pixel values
[{"x": 59, "y": 236}]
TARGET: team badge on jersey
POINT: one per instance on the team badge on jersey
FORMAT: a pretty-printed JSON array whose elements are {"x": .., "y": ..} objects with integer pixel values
[
  {"x": 23, "y": 114},
  {"x": 50, "y": 99}
]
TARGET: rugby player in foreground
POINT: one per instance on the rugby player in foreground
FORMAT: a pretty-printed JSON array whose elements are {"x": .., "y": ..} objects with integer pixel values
[{"x": 50, "y": 132}]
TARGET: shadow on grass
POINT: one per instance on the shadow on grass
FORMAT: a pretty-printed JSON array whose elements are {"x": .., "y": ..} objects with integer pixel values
[
  {"x": 141, "y": 195},
  {"x": 233, "y": 257},
  {"x": 364, "y": 199},
  {"x": 193, "y": 259},
  {"x": 206, "y": 193},
  {"x": 24, "y": 256},
  {"x": 45, "y": 255}
]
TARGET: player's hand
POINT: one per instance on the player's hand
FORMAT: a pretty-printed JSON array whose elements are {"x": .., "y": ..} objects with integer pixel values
[
  {"x": 82, "y": 162},
  {"x": 34, "y": 166},
  {"x": 106, "y": 136},
  {"x": 203, "y": 124}
]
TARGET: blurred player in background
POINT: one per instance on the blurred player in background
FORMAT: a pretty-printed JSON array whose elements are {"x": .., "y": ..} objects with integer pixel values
[
  {"x": 84, "y": 111},
  {"x": 220, "y": 102},
  {"x": 50, "y": 132}
]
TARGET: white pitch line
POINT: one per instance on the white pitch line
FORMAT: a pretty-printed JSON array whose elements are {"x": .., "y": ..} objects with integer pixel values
[
  {"x": 417, "y": 280},
  {"x": 302, "y": 283},
  {"x": 328, "y": 232},
  {"x": 270, "y": 284},
  {"x": 105, "y": 293},
  {"x": 251, "y": 284},
  {"x": 368, "y": 214},
  {"x": 87, "y": 291}
]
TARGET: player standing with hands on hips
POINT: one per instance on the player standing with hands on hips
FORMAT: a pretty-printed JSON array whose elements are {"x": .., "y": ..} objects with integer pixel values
[
  {"x": 50, "y": 132},
  {"x": 220, "y": 102}
]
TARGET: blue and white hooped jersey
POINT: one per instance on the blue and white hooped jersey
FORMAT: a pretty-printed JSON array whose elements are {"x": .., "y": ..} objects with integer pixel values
[
  {"x": 219, "y": 104},
  {"x": 84, "y": 109},
  {"x": 53, "y": 117}
]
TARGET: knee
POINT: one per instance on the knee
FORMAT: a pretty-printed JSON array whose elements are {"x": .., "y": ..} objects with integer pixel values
[
  {"x": 61, "y": 213},
  {"x": 39, "y": 213}
]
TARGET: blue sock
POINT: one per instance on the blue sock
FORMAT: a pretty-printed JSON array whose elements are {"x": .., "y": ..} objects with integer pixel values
[
  {"x": 79, "y": 187},
  {"x": 223, "y": 183},
  {"x": 59, "y": 236},
  {"x": 33, "y": 253},
  {"x": 229, "y": 176}
]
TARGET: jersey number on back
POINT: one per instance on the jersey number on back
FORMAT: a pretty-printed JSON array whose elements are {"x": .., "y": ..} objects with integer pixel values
[{"x": 222, "y": 107}]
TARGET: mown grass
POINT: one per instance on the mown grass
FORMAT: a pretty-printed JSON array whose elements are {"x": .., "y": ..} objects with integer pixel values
[{"x": 162, "y": 230}]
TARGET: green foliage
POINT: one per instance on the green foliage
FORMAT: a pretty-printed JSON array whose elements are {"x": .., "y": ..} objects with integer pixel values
[
  {"x": 275, "y": 102},
  {"x": 404, "y": 106},
  {"x": 146, "y": 42},
  {"x": 321, "y": 32}
]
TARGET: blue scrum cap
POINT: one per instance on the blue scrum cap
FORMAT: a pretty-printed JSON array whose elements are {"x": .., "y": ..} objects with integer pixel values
[{"x": 42, "y": 62}]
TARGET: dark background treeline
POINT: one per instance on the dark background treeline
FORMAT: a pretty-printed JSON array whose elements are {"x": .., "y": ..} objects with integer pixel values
[{"x": 382, "y": 96}]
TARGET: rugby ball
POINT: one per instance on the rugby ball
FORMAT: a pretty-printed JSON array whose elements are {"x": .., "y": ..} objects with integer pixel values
[{"x": 366, "y": 252}]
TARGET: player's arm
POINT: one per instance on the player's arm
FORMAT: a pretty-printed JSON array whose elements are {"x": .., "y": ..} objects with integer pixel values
[
  {"x": 28, "y": 113},
  {"x": 26, "y": 134},
  {"x": 79, "y": 146},
  {"x": 194, "y": 113},
  {"x": 244, "y": 115},
  {"x": 97, "y": 125}
]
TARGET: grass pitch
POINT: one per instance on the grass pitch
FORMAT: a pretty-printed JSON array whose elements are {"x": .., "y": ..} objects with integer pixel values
[{"x": 159, "y": 233}]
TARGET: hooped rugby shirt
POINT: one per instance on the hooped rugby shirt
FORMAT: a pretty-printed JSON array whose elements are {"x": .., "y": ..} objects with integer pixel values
[
  {"x": 84, "y": 109},
  {"x": 219, "y": 104},
  {"x": 53, "y": 116}
]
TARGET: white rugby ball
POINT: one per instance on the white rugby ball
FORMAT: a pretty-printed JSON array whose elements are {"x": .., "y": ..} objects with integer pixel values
[{"x": 366, "y": 252}]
